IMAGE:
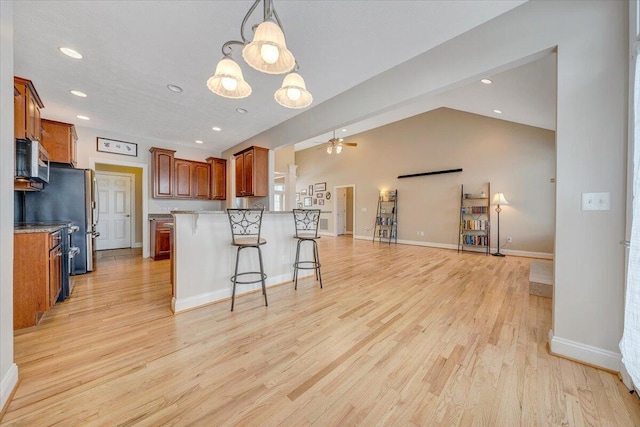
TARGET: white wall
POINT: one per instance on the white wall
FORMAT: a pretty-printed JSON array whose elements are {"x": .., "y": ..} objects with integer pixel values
[
  {"x": 8, "y": 369},
  {"x": 591, "y": 42}
]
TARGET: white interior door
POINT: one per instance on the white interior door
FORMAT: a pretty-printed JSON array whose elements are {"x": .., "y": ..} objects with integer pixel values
[
  {"x": 341, "y": 211},
  {"x": 114, "y": 225}
]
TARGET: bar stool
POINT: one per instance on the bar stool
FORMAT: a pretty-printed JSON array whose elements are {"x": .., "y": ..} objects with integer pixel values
[
  {"x": 245, "y": 233},
  {"x": 306, "y": 221}
]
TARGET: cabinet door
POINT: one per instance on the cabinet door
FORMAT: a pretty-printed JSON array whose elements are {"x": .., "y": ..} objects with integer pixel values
[
  {"x": 162, "y": 171},
  {"x": 31, "y": 116},
  {"x": 240, "y": 181},
  {"x": 19, "y": 111},
  {"x": 248, "y": 173},
  {"x": 163, "y": 243},
  {"x": 201, "y": 180},
  {"x": 218, "y": 179},
  {"x": 55, "y": 274},
  {"x": 59, "y": 140},
  {"x": 184, "y": 178}
]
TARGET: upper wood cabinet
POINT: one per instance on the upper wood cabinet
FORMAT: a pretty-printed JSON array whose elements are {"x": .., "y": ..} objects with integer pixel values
[
  {"x": 60, "y": 140},
  {"x": 26, "y": 108},
  {"x": 218, "y": 182},
  {"x": 252, "y": 172},
  {"x": 185, "y": 179},
  {"x": 162, "y": 172}
]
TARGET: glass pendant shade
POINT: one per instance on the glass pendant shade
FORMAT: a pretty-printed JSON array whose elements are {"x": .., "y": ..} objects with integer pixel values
[
  {"x": 293, "y": 93},
  {"x": 268, "y": 51},
  {"x": 339, "y": 148},
  {"x": 329, "y": 149},
  {"x": 228, "y": 80}
]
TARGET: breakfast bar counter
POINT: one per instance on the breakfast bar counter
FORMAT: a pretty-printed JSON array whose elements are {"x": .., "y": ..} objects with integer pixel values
[{"x": 204, "y": 259}]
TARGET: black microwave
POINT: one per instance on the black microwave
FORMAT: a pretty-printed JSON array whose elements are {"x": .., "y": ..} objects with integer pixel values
[{"x": 32, "y": 161}]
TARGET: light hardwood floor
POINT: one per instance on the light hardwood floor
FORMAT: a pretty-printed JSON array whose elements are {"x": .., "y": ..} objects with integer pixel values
[{"x": 399, "y": 335}]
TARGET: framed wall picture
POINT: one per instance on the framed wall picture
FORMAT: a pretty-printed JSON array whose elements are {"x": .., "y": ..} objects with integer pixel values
[
  {"x": 319, "y": 195},
  {"x": 307, "y": 202},
  {"x": 117, "y": 147},
  {"x": 303, "y": 191},
  {"x": 315, "y": 201},
  {"x": 297, "y": 197},
  {"x": 299, "y": 205},
  {"x": 320, "y": 186},
  {"x": 321, "y": 201},
  {"x": 310, "y": 190},
  {"x": 327, "y": 195}
]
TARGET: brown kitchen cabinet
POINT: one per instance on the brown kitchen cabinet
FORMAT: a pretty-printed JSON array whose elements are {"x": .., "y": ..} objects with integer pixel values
[
  {"x": 162, "y": 172},
  {"x": 26, "y": 108},
  {"x": 61, "y": 141},
  {"x": 161, "y": 238},
  {"x": 252, "y": 169},
  {"x": 192, "y": 179},
  {"x": 218, "y": 168},
  {"x": 37, "y": 276}
]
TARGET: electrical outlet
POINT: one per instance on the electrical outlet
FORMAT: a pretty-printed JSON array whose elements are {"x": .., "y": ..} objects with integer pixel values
[
  {"x": 509, "y": 239},
  {"x": 422, "y": 233}
]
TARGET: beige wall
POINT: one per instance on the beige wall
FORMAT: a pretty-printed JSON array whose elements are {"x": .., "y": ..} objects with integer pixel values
[
  {"x": 137, "y": 172},
  {"x": 284, "y": 156},
  {"x": 518, "y": 160}
]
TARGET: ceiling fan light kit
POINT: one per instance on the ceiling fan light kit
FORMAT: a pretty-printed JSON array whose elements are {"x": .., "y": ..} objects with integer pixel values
[
  {"x": 335, "y": 144},
  {"x": 267, "y": 53}
]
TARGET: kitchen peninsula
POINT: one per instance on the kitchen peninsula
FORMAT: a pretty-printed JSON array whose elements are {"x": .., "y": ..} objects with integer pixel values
[{"x": 204, "y": 259}]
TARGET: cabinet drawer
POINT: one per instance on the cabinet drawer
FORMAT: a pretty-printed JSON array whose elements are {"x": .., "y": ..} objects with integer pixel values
[{"x": 54, "y": 239}]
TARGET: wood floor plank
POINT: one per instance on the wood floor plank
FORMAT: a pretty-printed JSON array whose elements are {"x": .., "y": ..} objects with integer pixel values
[{"x": 399, "y": 335}]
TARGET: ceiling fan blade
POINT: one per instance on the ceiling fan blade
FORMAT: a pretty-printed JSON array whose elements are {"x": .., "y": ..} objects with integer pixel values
[{"x": 350, "y": 144}]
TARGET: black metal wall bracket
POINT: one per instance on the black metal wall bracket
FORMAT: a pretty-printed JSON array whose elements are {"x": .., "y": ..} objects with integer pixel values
[{"x": 430, "y": 173}]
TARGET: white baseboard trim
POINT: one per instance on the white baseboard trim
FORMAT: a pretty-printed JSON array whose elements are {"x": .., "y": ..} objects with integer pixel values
[
  {"x": 326, "y": 233},
  {"x": 8, "y": 384},
  {"x": 585, "y": 353},
  {"x": 527, "y": 254},
  {"x": 137, "y": 245},
  {"x": 189, "y": 303}
]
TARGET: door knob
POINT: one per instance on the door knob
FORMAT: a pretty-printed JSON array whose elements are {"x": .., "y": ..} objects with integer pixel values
[{"x": 127, "y": 216}]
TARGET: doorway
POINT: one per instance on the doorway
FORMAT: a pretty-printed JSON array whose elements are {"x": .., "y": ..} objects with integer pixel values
[
  {"x": 116, "y": 208},
  {"x": 139, "y": 228},
  {"x": 344, "y": 218}
]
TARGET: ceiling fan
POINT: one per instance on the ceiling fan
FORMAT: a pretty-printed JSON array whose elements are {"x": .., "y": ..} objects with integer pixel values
[{"x": 336, "y": 145}]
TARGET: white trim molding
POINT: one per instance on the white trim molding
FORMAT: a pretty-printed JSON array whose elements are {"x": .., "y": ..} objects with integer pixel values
[
  {"x": 585, "y": 353},
  {"x": 8, "y": 384}
]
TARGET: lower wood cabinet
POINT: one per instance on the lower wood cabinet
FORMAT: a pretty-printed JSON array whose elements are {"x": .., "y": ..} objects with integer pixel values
[
  {"x": 37, "y": 276},
  {"x": 160, "y": 231}
]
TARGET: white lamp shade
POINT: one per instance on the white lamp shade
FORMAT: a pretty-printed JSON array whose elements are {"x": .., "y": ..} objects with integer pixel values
[
  {"x": 293, "y": 93},
  {"x": 268, "y": 51},
  {"x": 228, "y": 80},
  {"x": 498, "y": 199}
]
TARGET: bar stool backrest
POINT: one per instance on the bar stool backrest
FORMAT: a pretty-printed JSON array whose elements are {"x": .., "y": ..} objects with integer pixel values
[
  {"x": 245, "y": 224},
  {"x": 307, "y": 221}
]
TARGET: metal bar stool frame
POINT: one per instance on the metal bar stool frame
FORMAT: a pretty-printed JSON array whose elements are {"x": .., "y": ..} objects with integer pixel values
[
  {"x": 246, "y": 225},
  {"x": 306, "y": 223}
]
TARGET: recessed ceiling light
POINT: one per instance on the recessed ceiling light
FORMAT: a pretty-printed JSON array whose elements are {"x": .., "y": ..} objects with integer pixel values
[
  {"x": 71, "y": 53},
  {"x": 174, "y": 88},
  {"x": 78, "y": 93},
  {"x": 486, "y": 81},
  {"x": 344, "y": 130},
  {"x": 241, "y": 110},
  {"x": 83, "y": 117},
  {"x": 198, "y": 141},
  {"x": 216, "y": 128},
  {"x": 497, "y": 111}
]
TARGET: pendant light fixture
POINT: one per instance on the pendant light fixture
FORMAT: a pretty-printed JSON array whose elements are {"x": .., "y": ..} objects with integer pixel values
[{"x": 267, "y": 53}]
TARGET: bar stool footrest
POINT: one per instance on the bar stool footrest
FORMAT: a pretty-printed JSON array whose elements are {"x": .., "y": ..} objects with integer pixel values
[
  {"x": 312, "y": 265},
  {"x": 263, "y": 277}
]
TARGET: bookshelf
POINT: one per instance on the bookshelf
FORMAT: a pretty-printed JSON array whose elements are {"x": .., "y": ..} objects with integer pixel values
[
  {"x": 386, "y": 226},
  {"x": 475, "y": 224}
]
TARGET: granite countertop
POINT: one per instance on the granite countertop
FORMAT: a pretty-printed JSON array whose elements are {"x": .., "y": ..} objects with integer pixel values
[
  {"x": 156, "y": 216},
  {"x": 39, "y": 227}
]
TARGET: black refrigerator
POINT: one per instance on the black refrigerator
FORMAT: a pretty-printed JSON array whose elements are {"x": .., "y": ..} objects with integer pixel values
[{"x": 70, "y": 195}]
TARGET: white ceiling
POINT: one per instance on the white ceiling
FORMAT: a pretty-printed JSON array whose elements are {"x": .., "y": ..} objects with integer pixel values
[{"x": 133, "y": 49}]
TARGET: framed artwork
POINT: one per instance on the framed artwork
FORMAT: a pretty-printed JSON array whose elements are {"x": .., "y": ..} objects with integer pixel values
[
  {"x": 117, "y": 147},
  {"x": 299, "y": 205},
  {"x": 320, "y": 186},
  {"x": 303, "y": 191},
  {"x": 297, "y": 196},
  {"x": 310, "y": 190},
  {"x": 307, "y": 202},
  {"x": 327, "y": 195},
  {"x": 319, "y": 195},
  {"x": 315, "y": 201},
  {"x": 321, "y": 201}
]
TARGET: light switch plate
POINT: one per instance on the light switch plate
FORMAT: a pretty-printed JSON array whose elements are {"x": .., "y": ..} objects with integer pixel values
[{"x": 596, "y": 201}]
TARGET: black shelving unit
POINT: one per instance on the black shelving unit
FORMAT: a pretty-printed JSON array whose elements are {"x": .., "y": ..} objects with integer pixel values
[
  {"x": 386, "y": 226},
  {"x": 475, "y": 224}
]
